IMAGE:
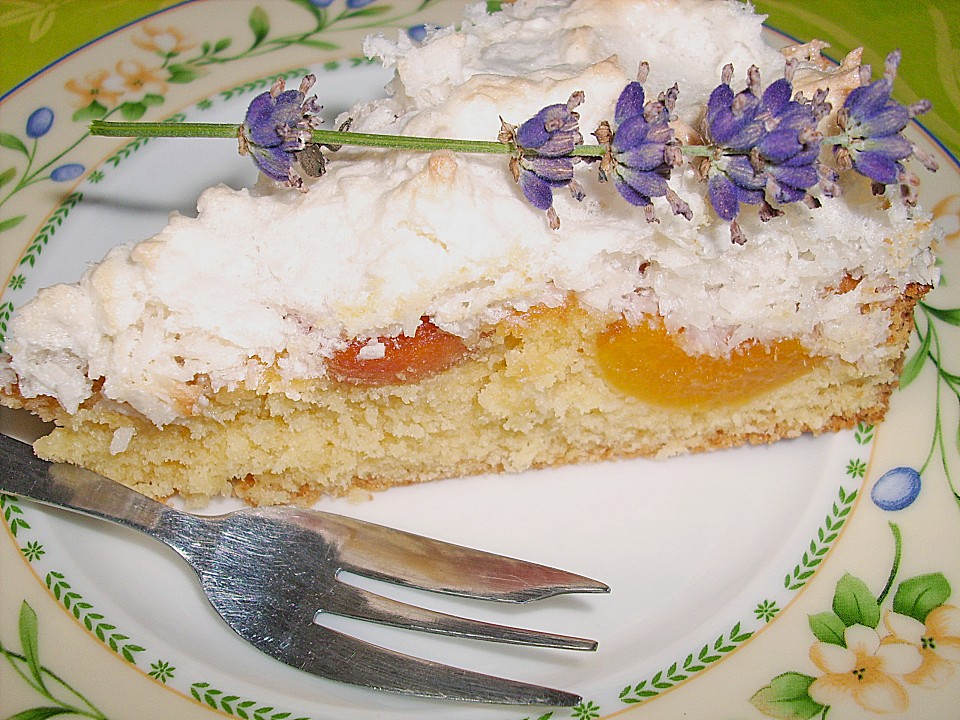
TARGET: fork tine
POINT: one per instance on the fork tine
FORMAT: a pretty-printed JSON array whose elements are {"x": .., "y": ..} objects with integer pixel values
[
  {"x": 331, "y": 654},
  {"x": 400, "y": 557},
  {"x": 353, "y": 602}
]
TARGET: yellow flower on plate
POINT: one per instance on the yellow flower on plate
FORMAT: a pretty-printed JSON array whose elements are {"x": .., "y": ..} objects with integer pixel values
[
  {"x": 863, "y": 671},
  {"x": 100, "y": 86},
  {"x": 165, "y": 41},
  {"x": 947, "y": 214},
  {"x": 140, "y": 80},
  {"x": 937, "y": 639}
]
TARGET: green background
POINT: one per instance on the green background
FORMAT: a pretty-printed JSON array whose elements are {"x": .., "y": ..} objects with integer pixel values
[{"x": 927, "y": 31}]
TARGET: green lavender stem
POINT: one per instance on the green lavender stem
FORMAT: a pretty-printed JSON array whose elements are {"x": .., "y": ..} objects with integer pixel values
[
  {"x": 326, "y": 137},
  {"x": 159, "y": 129}
]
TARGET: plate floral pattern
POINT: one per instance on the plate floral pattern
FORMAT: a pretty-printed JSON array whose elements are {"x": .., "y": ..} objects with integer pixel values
[{"x": 862, "y": 620}]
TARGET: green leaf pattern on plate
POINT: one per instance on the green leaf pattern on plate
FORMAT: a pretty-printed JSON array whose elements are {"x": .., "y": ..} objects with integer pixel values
[
  {"x": 13, "y": 514},
  {"x": 92, "y": 621},
  {"x": 49, "y": 228},
  {"x": 826, "y": 535},
  {"x": 679, "y": 672},
  {"x": 766, "y": 610},
  {"x": 237, "y": 706},
  {"x": 260, "y": 85},
  {"x": 58, "y": 696}
]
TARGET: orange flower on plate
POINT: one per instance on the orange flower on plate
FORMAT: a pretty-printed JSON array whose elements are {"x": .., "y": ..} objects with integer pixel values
[
  {"x": 937, "y": 639},
  {"x": 863, "y": 671},
  {"x": 947, "y": 213},
  {"x": 164, "y": 41},
  {"x": 98, "y": 86},
  {"x": 140, "y": 80}
]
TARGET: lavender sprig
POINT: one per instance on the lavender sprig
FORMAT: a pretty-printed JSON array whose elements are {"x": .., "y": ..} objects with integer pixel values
[{"x": 761, "y": 146}]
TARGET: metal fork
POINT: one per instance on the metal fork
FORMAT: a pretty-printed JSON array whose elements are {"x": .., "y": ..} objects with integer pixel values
[{"x": 270, "y": 571}]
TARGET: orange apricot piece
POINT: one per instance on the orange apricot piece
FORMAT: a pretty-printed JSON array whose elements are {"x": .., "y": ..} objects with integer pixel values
[
  {"x": 646, "y": 362},
  {"x": 406, "y": 358}
]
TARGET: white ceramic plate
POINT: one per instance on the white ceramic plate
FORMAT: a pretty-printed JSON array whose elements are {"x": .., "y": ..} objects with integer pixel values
[{"x": 716, "y": 562}]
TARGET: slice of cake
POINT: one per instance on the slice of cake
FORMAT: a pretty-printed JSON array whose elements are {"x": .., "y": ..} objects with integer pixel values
[{"x": 415, "y": 316}]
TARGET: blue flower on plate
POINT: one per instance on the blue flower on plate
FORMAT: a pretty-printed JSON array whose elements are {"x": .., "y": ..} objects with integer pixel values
[
  {"x": 351, "y": 4},
  {"x": 418, "y": 33},
  {"x": 67, "y": 172},
  {"x": 39, "y": 122},
  {"x": 896, "y": 489}
]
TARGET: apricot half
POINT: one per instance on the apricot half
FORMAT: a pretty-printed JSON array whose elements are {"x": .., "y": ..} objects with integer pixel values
[
  {"x": 405, "y": 358},
  {"x": 646, "y": 362}
]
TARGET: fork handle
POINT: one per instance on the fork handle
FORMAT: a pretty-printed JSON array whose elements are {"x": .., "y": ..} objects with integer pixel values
[{"x": 73, "y": 488}]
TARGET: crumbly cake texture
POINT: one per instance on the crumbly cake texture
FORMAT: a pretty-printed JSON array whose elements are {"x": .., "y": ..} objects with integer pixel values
[
  {"x": 531, "y": 396},
  {"x": 172, "y": 383}
]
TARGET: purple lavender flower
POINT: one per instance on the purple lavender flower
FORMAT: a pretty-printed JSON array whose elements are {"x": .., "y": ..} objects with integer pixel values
[
  {"x": 788, "y": 153},
  {"x": 871, "y": 140},
  {"x": 278, "y": 126},
  {"x": 735, "y": 121},
  {"x": 733, "y": 125},
  {"x": 546, "y": 143},
  {"x": 764, "y": 145},
  {"x": 642, "y": 150}
]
